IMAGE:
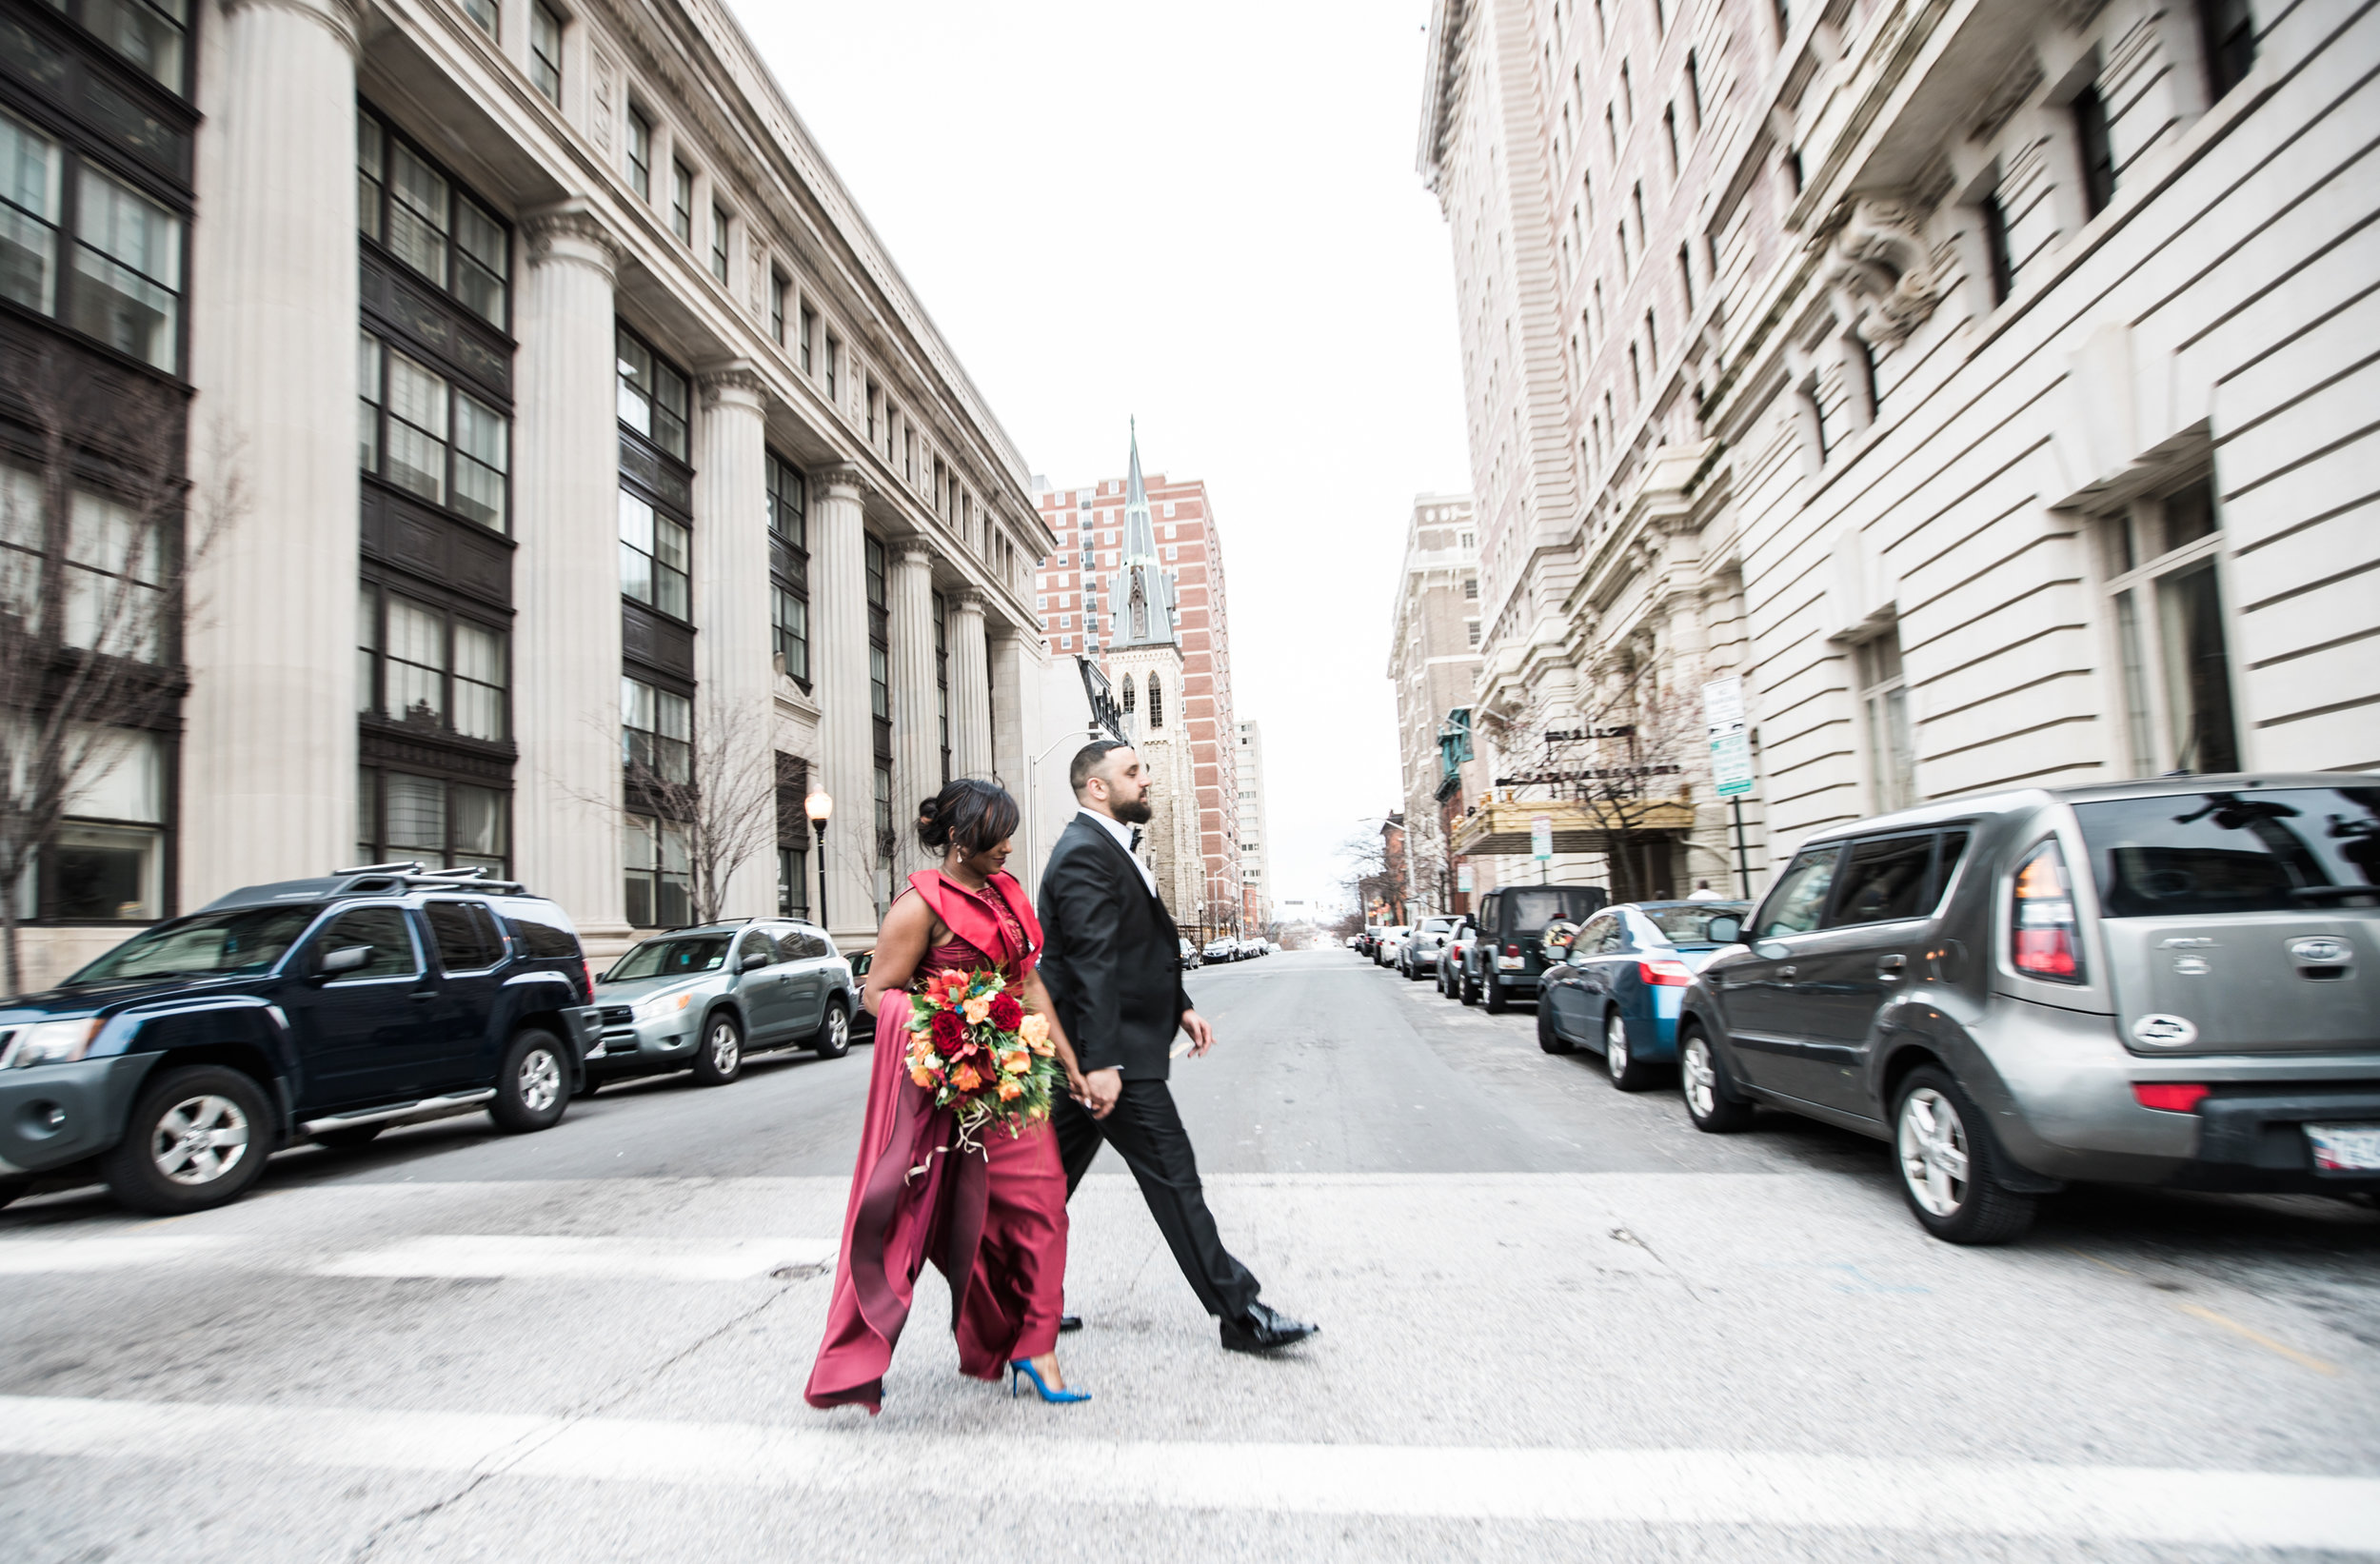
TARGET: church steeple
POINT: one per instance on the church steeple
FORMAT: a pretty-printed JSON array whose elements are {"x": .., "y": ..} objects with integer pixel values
[{"x": 1144, "y": 607}]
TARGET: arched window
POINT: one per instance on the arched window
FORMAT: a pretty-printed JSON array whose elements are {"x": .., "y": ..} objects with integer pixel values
[
  {"x": 1139, "y": 609},
  {"x": 1157, "y": 705},
  {"x": 1127, "y": 694}
]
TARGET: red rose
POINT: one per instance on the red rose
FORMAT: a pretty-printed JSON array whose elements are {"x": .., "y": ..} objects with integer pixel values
[
  {"x": 949, "y": 1032},
  {"x": 1006, "y": 1013}
]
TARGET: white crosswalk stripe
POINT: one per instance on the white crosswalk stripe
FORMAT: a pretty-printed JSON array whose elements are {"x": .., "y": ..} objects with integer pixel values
[
  {"x": 2240, "y": 1509},
  {"x": 470, "y": 1255}
]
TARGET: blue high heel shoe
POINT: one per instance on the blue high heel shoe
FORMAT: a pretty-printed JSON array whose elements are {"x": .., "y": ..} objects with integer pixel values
[{"x": 1024, "y": 1366}]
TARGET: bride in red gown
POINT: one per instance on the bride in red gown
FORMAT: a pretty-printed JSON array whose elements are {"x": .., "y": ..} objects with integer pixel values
[{"x": 992, "y": 1220}]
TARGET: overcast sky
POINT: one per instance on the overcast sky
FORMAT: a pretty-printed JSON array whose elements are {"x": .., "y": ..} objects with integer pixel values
[{"x": 1207, "y": 216}]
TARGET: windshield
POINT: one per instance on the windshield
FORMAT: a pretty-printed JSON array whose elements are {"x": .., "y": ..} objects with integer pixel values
[
  {"x": 680, "y": 958},
  {"x": 1691, "y": 926},
  {"x": 1529, "y": 909},
  {"x": 2190, "y": 854},
  {"x": 1438, "y": 925},
  {"x": 206, "y": 944}
]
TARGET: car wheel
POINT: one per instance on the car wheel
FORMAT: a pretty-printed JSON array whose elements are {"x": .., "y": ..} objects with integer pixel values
[
  {"x": 1629, "y": 1073},
  {"x": 195, "y": 1139},
  {"x": 1710, "y": 1102},
  {"x": 1949, "y": 1164},
  {"x": 347, "y": 1136},
  {"x": 834, "y": 1033},
  {"x": 532, "y": 1084},
  {"x": 1494, "y": 995},
  {"x": 1548, "y": 1038},
  {"x": 719, "y": 1059},
  {"x": 1470, "y": 993}
]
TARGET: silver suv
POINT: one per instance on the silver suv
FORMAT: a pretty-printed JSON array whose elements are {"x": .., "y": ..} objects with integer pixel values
[
  {"x": 2164, "y": 982},
  {"x": 706, "y": 998}
]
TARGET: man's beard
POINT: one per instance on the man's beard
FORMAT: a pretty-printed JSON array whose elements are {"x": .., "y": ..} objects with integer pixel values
[{"x": 1135, "y": 813}]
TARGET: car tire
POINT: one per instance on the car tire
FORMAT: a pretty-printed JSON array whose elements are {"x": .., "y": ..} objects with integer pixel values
[
  {"x": 1710, "y": 1100},
  {"x": 1495, "y": 999},
  {"x": 1550, "y": 1039},
  {"x": 1938, "y": 1134},
  {"x": 1629, "y": 1072},
  {"x": 202, "y": 1165},
  {"x": 718, "y": 1058},
  {"x": 347, "y": 1136},
  {"x": 532, "y": 1083},
  {"x": 833, "y": 1032},
  {"x": 1470, "y": 993}
]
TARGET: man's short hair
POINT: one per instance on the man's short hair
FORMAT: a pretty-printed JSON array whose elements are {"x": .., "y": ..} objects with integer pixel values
[{"x": 1089, "y": 758}]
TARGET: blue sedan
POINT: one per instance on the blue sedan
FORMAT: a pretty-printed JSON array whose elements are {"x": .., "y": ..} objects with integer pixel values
[{"x": 1620, "y": 987}]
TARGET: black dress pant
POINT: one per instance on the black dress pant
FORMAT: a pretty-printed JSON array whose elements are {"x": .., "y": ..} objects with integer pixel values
[{"x": 1148, "y": 1132}]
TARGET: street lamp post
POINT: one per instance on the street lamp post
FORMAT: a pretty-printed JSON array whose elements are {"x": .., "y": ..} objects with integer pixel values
[{"x": 817, "y": 807}]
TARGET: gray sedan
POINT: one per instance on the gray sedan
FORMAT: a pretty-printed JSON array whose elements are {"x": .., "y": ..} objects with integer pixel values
[{"x": 702, "y": 999}]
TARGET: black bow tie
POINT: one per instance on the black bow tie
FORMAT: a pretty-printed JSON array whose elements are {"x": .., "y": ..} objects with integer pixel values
[{"x": 1136, "y": 839}]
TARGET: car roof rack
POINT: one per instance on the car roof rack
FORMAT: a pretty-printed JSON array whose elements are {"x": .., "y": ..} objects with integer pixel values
[{"x": 411, "y": 873}]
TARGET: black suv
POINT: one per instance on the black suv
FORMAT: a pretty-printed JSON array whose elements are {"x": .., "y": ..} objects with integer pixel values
[
  {"x": 324, "y": 1009},
  {"x": 1502, "y": 961}
]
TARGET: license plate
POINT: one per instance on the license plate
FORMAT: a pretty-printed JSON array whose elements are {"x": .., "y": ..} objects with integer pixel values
[{"x": 2345, "y": 1148}]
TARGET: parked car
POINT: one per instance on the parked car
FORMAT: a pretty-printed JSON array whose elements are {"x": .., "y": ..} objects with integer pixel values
[
  {"x": 325, "y": 1009},
  {"x": 1222, "y": 948},
  {"x": 1189, "y": 959},
  {"x": 2162, "y": 981},
  {"x": 1367, "y": 943},
  {"x": 1251, "y": 949},
  {"x": 1420, "y": 956},
  {"x": 1502, "y": 963},
  {"x": 1452, "y": 955},
  {"x": 1622, "y": 983},
  {"x": 705, "y": 998},
  {"x": 1391, "y": 940}
]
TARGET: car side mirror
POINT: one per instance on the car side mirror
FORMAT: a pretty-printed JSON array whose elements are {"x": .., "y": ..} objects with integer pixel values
[
  {"x": 753, "y": 961},
  {"x": 1726, "y": 931},
  {"x": 346, "y": 959},
  {"x": 860, "y": 962},
  {"x": 1555, "y": 944}
]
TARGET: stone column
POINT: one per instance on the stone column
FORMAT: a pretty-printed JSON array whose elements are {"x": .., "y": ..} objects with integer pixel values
[
  {"x": 269, "y": 764},
  {"x": 846, "y": 730},
  {"x": 566, "y": 802},
  {"x": 1015, "y": 704},
  {"x": 917, "y": 730},
  {"x": 970, "y": 688},
  {"x": 735, "y": 709}
]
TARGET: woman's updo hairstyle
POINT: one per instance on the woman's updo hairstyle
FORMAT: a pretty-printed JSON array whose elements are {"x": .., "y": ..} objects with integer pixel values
[{"x": 970, "y": 814}]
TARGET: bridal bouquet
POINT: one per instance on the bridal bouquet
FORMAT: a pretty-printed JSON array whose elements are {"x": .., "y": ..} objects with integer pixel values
[{"x": 980, "y": 1053}]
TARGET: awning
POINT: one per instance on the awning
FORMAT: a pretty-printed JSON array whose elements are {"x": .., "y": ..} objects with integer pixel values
[{"x": 1497, "y": 828}]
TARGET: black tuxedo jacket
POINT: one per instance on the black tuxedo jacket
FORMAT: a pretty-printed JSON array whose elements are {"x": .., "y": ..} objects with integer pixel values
[{"x": 1111, "y": 956}]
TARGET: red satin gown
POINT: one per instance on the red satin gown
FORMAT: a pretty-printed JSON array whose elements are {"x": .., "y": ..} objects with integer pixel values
[{"x": 993, "y": 1222}]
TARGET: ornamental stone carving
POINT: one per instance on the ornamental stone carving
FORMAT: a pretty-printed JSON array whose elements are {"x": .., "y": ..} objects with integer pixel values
[
  {"x": 345, "y": 18},
  {"x": 851, "y": 480},
  {"x": 572, "y": 234},
  {"x": 736, "y": 383},
  {"x": 1878, "y": 257}
]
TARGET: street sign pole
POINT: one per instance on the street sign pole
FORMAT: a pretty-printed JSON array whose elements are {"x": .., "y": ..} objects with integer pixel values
[
  {"x": 1730, "y": 759},
  {"x": 1743, "y": 855}
]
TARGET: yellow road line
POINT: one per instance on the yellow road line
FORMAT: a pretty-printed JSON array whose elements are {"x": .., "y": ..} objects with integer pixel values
[{"x": 2302, "y": 1359}]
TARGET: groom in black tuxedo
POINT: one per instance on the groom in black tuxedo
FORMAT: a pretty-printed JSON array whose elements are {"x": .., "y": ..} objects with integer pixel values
[{"x": 1112, "y": 963}]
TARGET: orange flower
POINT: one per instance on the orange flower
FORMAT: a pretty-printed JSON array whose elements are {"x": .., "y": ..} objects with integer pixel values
[
  {"x": 965, "y": 1079},
  {"x": 1016, "y": 1061},
  {"x": 923, "y": 1076},
  {"x": 1010, "y": 1091},
  {"x": 1035, "y": 1028},
  {"x": 977, "y": 1009}
]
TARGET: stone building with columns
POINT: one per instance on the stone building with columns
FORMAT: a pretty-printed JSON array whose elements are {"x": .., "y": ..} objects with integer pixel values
[
  {"x": 585, "y": 424},
  {"x": 1434, "y": 669}
]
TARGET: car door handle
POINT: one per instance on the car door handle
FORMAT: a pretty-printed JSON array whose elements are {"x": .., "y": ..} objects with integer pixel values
[
  {"x": 1889, "y": 968},
  {"x": 422, "y": 996},
  {"x": 1787, "y": 970}
]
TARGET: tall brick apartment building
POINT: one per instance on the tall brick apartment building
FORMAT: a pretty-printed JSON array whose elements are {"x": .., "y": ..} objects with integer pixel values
[{"x": 1074, "y": 591}]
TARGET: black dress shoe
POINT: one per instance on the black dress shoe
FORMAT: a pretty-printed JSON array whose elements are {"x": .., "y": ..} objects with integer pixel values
[
  {"x": 1262, "y": 1329},
  {"x": 1069, "y": 1323}
]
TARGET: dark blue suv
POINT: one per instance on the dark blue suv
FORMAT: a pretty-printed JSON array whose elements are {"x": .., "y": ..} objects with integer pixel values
[{"x": 322, "y": 1009}]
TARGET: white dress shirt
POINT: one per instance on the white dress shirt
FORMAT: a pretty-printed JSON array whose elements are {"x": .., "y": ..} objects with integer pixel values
[{"x": 1123, "y": 834}]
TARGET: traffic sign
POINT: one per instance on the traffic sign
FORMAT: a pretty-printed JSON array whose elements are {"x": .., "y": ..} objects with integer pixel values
[
  {"x": 1541, "y": 837},
  {"x": 1731, "y": 739}
]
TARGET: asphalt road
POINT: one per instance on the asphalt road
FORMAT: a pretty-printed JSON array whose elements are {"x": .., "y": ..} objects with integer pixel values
[{"x": 1558, "y": 1323}]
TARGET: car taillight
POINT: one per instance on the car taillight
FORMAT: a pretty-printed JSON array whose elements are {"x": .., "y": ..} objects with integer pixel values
[
  {"x": 1665, "y": 974},
  {"x": 2045, "y": 941},
  {"x": 587, "y": 980},
  {"x": 2169, "y": 1096},
  {"x": 1512, "y": 950}
]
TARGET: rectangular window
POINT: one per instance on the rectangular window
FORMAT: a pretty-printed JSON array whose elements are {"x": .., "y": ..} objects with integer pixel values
[
  {"x": 793, "y": 882},
  {"x": 791, "y": 630},
  {"x": 422, "y": 665},
  {"x": 834, "y": 359},
  {"x": 810, "y": 335},
  {"x": 483, "y": 14},
  {"x": 2229, "y": 34},
  {"x": 653, "y": 396},
  {"x": 127, "y": 266},
  {"x": 113, "y": 600},
  {"x": 790, "y": 566},
  {"x": 479, "y": 261},
  {"x": 434, "y": 228},
  {"x": 1884, "y": 707},
  {"x": 682, "y": 202},
  {"x": 418, "y": 406},
  {"x": 429, "y": 438},
  {"x": 105, "y": 862},
  {"x": 640, "y": 153},
  {"x": 719, "y": 243},
  {"x": 2173, "y": 644},
  {"x": 778, "y": 288},
  {"x": 147, "y": 32},
  {"x": 1694, "y": 88},
  {"x": 655, "y": 552},
  {"x": 32, "y": 173},
  {"x": 546, "y": 51},
  {"x": 655, "y": 857},
  {"x": 941, "y": 680},
  {"x": 656, "y": 732},
  {"x": 481, "y": 678},
  {"x": 1996, "y": 256},
  {"x": 2097, "y": 150},
  {"x": 1686, "y": 277}
]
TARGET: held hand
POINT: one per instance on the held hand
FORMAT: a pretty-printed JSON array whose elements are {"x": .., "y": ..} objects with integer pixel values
[
  {"x": 1100, "y": 1088},
  {"x": 1201, "y": 1034}
]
